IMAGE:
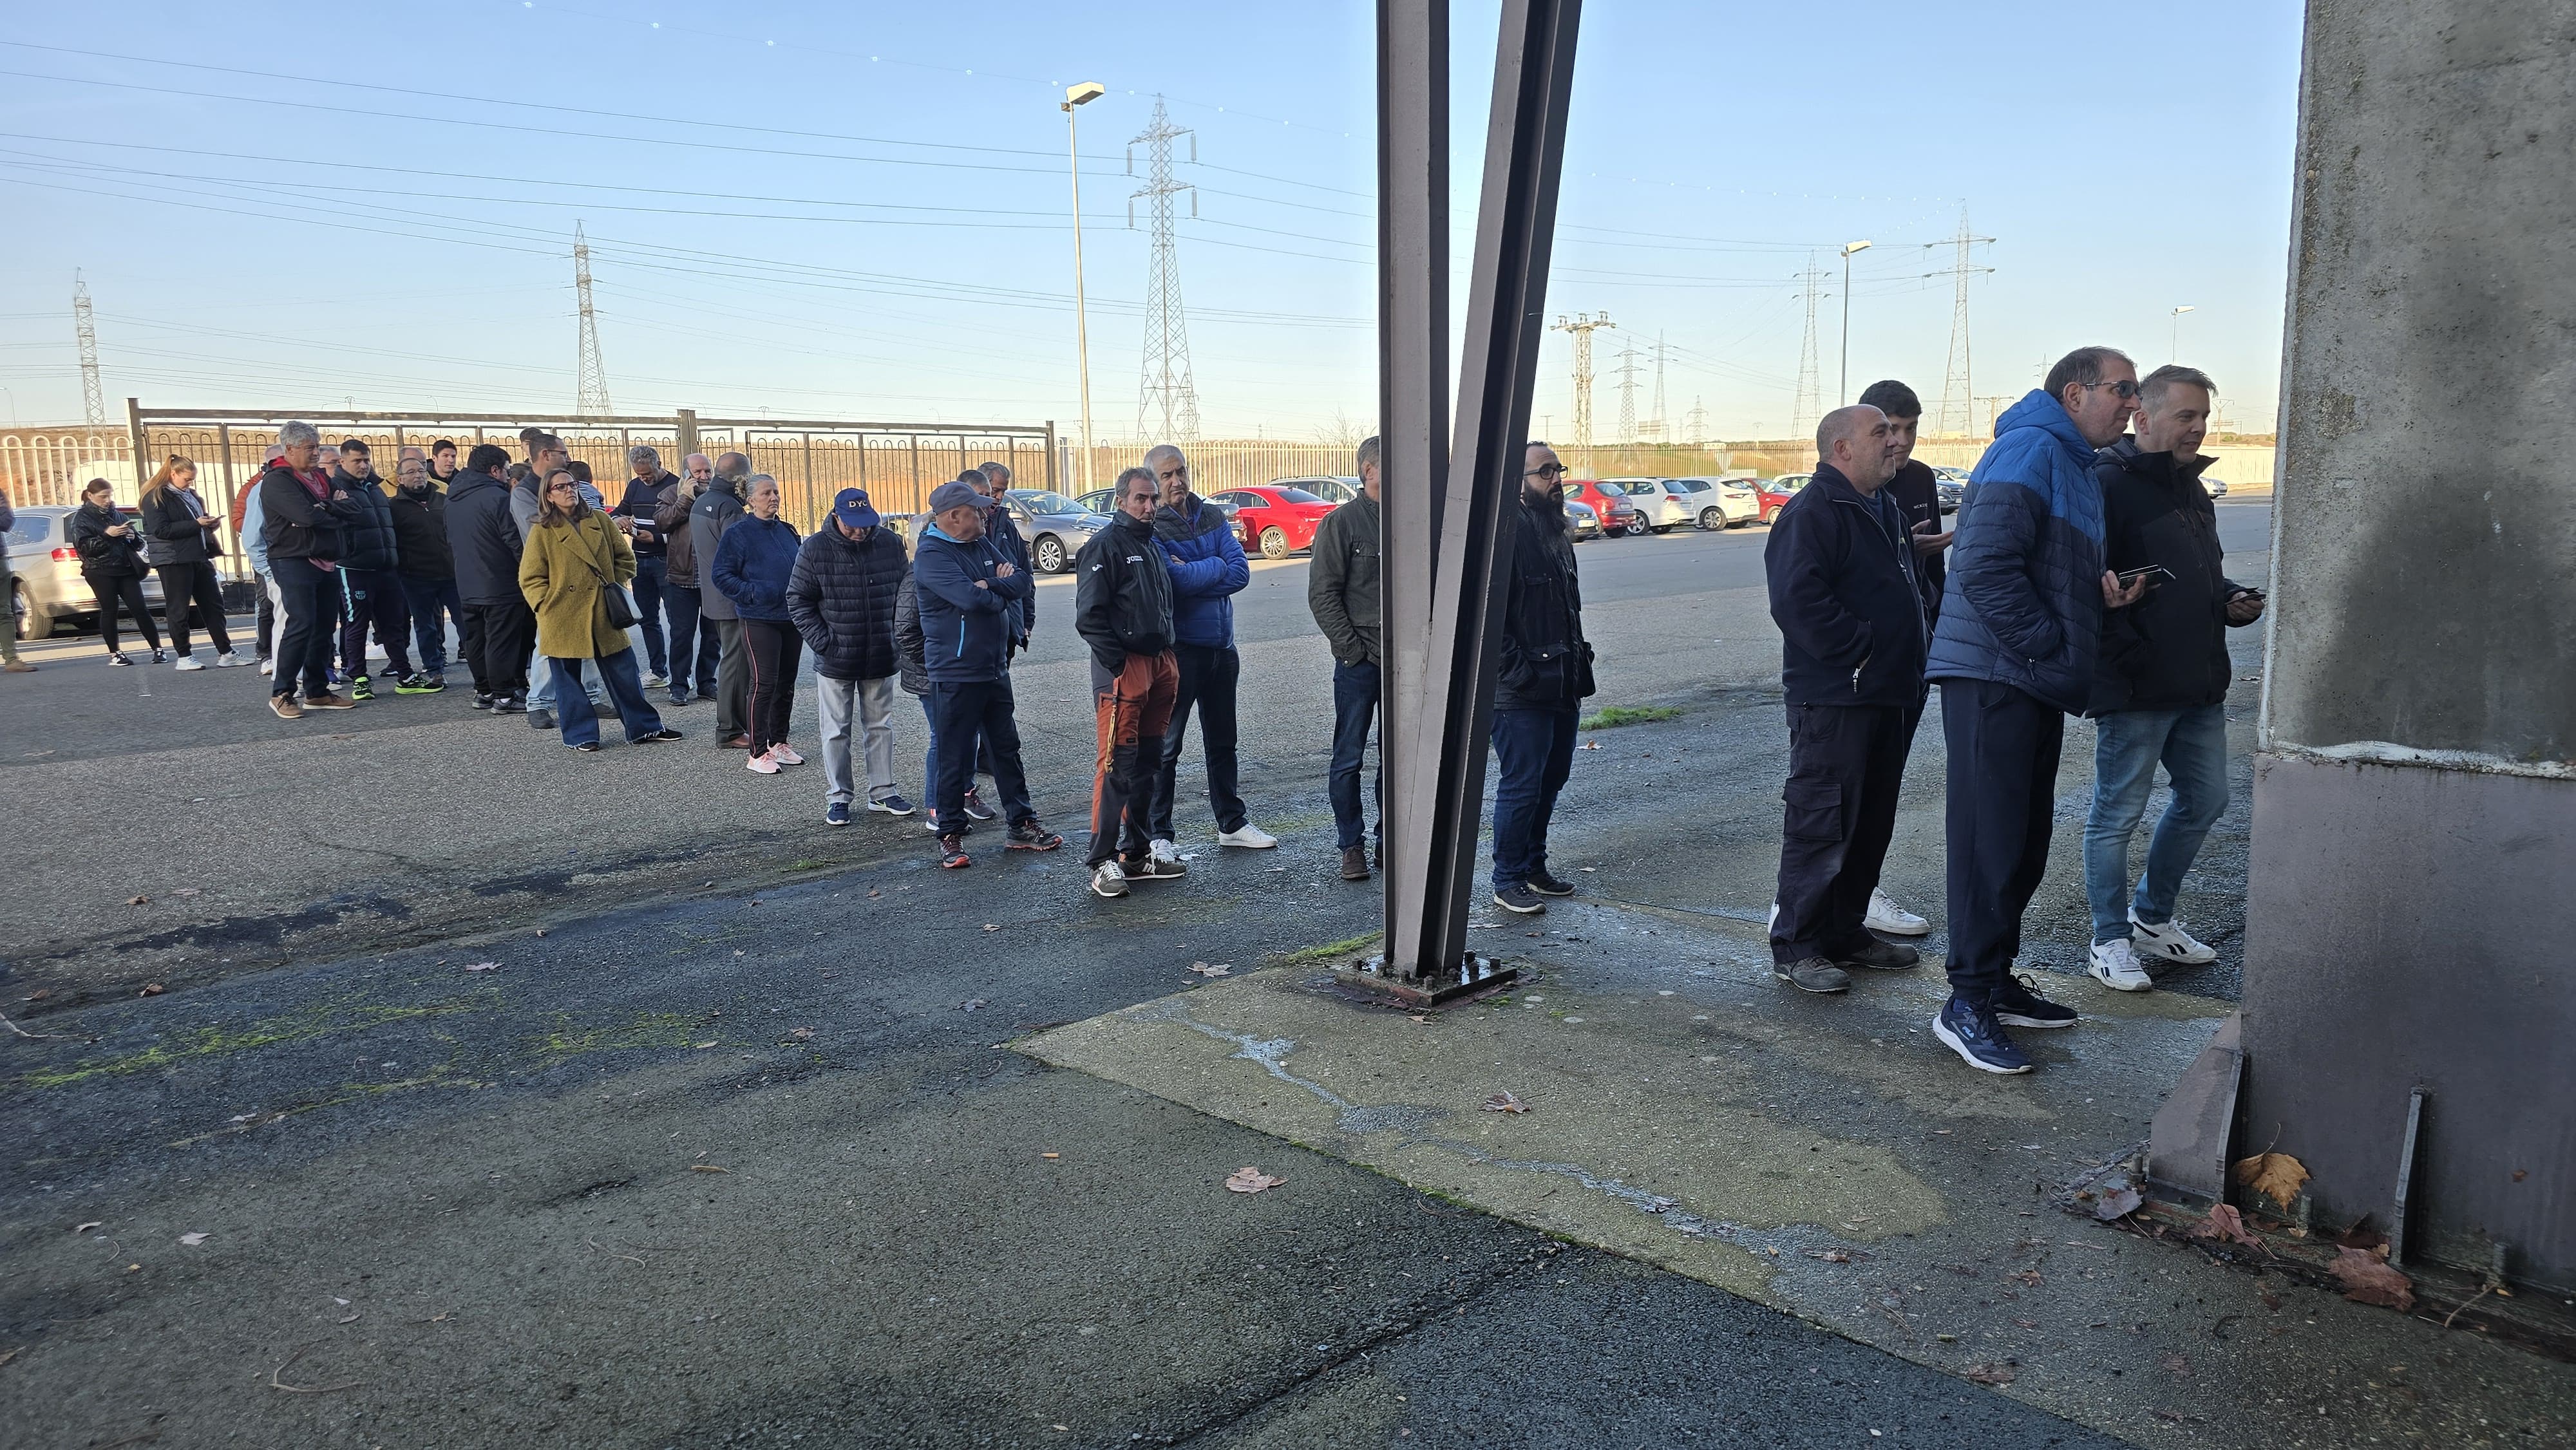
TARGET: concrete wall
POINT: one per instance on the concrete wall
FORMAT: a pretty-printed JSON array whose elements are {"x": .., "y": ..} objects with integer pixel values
[{"x": 2403, "y": 923}]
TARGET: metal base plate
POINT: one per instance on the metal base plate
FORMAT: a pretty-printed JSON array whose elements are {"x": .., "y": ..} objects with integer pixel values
[{"x": 1476, "y": 975}]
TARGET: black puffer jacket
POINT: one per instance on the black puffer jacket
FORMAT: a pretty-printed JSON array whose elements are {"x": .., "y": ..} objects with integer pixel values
[
  {"x": 1546, "y": 663},
  {"x": 485, "y": 539},
  {"x": 297, "y": 527},
  {"x": 913, "y": 666},
  {"x": 841, "y": 598},
  {"x": 101, "y": 553},
  {"x": 367, "y": 542},
  {"x": 2168, "y": 651},
  {"x": 421, "y": 546},
  {"x": 1123, "y": 594},
  {"x": 171, "y": 532}
]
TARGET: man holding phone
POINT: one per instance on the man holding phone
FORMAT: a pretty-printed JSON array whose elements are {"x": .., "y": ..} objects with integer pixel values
[{"x": 2160, "y": 682}]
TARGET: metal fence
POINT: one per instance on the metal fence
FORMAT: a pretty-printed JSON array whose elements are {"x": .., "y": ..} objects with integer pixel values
[
  {"x": 897, "y": 463},
  {"x": 1216, "y": 464}
]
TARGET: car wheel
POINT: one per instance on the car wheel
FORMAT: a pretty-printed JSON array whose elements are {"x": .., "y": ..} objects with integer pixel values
[
  {"x": 1712, "y": 520},
  {"x": 29, "y": 619},
  {"x": 1047, "y": 554},
  {"x": 1274, "y": 543},
  {"x": 1637, "y": 527}
]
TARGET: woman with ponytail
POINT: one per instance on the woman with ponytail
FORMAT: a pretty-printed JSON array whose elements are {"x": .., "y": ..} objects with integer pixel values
[{"x": 179, "y": 543}]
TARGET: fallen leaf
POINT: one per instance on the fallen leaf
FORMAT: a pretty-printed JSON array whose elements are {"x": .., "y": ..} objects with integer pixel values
[
  {"x": 152, "y": 989},
  {"x": 1505, "y": 1103},
  {"x": 2027, "y": 1276},
  {"x": 41, "y": 993},
  {"x": 1249, "y": 1179},
  {"x": 482, "y": 966},
  {"x": 138, "y": 901},
  {"x": 1418, "y": 1017},
  {"x": 992, "y": 926},
  {"x": 93, "y": 1223},
  {"x": 2361, "y": 1236},
  {"x": 1830, "y": 1256},
  {"x": 2276, "y": 1176},
  {"x": 2224, "y": 1222},
  {"x": 1992, "y": 1374},
  {"x": 1204, "y": 970},
  {"x": 801, "y": 1034},
  {"x": 192, "y": 1239},
  {"x": 704, "y": 1168},
  {"x": 2369, "y": 1279}
]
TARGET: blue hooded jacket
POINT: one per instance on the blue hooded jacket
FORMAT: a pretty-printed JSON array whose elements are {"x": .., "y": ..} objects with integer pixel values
[
  {"x": 1207, "y": 568},
  {"x": 753, "y": 563},
  {"x": 966, "y": 632},
  {"x": 2023, "y": 603}
]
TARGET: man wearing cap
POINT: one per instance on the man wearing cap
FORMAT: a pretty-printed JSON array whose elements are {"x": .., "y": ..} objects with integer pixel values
[
  {"x": 841, "y": 597},
  {"x": 970, "y": 601}
]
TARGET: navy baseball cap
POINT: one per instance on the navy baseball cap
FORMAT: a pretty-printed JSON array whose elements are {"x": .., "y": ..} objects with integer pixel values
[
  {"x": 956, "y": 495},
  {"x": 850, "y": 506}
]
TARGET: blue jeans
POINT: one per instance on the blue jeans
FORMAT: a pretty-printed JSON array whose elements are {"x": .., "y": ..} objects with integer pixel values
[
  {"x": 650, "y": 571},
  {"x": 1533, "y": 754},
  {"x": 2192, "y": 744},
  {"x": 433, "y": 602},
  {"x": 1355, "y": 691},
  {"x": 574, "y": 715}
]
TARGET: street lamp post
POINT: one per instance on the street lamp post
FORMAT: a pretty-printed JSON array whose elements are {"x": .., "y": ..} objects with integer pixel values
[
  {"x": 2174, "y": 345},
  {"x": 1849, "y": 248},
  {"x": 1081, "y": 95}
]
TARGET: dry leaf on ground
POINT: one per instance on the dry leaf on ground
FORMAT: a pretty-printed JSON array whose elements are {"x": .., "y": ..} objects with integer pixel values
[
  {"x": 2276, "y": 1176},
  {"x": 704, "y": 1168},
  {"x": 2027, "y": 1276},
  {"x": 1249, "y": 1179},
  {"x": 2368, "y": 1279},
  {"x": 1991, "y": 1374},
  {"x": 2224, "y": 1222},
  {"x": 992, "y": 926},
  {"x": 1505, "y": 1103},
  {"x": 152, "y": 989},
  {"x": 192, "y": 1239},
  {"x": 1205, "y": 970}
]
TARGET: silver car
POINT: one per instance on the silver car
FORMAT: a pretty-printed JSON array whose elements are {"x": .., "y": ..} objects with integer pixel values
[
  {"x": 1055, "y": 527},
  {"x": 1583, "y": 523},
  {"x": 49, "y": 589},
  {"x": 1330, "y": 487}
]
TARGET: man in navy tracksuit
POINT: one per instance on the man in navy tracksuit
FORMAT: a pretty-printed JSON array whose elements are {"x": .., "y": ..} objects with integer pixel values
[
  {"x": 971, "y": 601},
  {"x": 1850, "y": 611},
  {"x": 1207, "y": 567},
  {"x": 2021, "y": 624}
]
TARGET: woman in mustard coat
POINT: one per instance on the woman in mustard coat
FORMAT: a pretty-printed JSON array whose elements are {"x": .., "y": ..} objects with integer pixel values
[{"x": 573, "y": 558}]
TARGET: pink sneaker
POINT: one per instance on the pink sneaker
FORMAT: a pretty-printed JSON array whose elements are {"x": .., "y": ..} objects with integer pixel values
[
  {"x": 762, "y": 765},
  {"x": 785, "y": 754}
]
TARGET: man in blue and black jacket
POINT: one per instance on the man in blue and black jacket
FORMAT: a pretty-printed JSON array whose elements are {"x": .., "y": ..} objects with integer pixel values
[
  {"x": 1208, "y": 569},
  {"x": 1850, "y": 610},
  {"x": 2021, "y": 624},
  {"x": 970, "y": 599}
]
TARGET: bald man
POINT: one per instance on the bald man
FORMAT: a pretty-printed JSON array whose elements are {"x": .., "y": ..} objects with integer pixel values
[{"x": 1849, "y": 604}]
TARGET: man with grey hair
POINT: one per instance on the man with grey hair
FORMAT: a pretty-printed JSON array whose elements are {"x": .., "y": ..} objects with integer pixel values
[
  {"x": 2014, "y": 652},
  {"x": 1342, "y": 593},
  {"x": 302, "y": 512},
  {"x": 1207, "y": 570},
  {"x": 2160, "y": 689},
  {"x": 719, "y": 508},
  {"x": 650, "y": 484},
  {"x": 1841, "y": 567}
]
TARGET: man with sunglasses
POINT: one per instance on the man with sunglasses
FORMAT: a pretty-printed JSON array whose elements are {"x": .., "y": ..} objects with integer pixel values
[
  {"x": 2014, "y": 653},
  {"x": 1546, "y": 672}
]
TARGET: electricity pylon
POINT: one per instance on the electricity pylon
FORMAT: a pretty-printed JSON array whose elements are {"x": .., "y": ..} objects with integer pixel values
[
  {"x": 1582, "y": 328},
  {"x": 593, "y": 384},
  {"x": 1958, "y": 399},
  {"x": 1627, "y": 371},
  {"x": 1803, "y": 414},
  {"x": 1167, "y": 400},
  {"x": 93, "y": 397}
]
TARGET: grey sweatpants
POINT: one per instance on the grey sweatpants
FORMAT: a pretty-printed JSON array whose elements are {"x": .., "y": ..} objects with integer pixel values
[{"x": 875, "y": 699}]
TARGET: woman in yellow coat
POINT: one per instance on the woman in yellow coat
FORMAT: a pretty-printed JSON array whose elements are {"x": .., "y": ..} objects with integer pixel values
[{"x": 573, "y": 558}]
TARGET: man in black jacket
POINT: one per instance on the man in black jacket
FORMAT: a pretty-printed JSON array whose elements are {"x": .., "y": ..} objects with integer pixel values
[
  {"x": 371, "y": 591},
  {"x": 650, "y": 484},
  {"x": 497, "y": 631},
  {"x": 1342, "y": 593},
  {"x": 425, "y": 564},
  {"x": 302, "y": 514},
  {"x": 1546, "y": 673},
  {"x": 720, "y": 507},
  {"x": 1841, "y": 566},
  {"x": 841, "y": 597},
  {"x": 2160, "y": 681},
  {"x": 1123, "y": 611}
]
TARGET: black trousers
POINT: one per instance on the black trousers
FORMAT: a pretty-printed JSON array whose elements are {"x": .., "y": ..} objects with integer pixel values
[
  {"x": 186, "y": 584},
  {"x": 126, "y": 589},
  {"x": 312, "y": 598},
  {"x": 959, "y": 713},
  {"x": 1846, "y": 764},
  {"x": 2003, "y": 794},
  {"x": 772, "y": 648},
  {"x": 1209, "y": 674},
  {"x": 499, "y": 647}
]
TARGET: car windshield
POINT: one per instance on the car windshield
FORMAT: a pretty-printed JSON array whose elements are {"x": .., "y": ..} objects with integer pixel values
[
  {"x": 1690, "y": 485},
  {"x": 1611, "y": 490},
  {"x": 1296, "y": 495},
  {"x": 1039, "y": 501}
]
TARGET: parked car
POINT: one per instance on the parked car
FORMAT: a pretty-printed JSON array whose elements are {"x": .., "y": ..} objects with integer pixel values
[
  {"x": 1278, "y": 521},
  {"x": 1332, "y": 488},
  {"x": 1718, "y": 503},
  {"x": 49, "y": 588},
  {"x": 2217, "y": 486},
  {"x": 1056, "y": 527},
  {"x": 1775, "y": 492},
  {"x": 1585, "y": 523},
  {"x": 1618, "y": 516},
  {"x": 1105, "y": 501},
  {"x": 1949, "y": 485}
]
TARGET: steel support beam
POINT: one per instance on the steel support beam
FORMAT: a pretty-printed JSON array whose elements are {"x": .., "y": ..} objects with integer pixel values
[{"x": 1449, "y": 490}]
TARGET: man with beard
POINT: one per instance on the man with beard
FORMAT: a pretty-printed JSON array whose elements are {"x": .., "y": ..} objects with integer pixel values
[{"x": 1546, "y": 673}]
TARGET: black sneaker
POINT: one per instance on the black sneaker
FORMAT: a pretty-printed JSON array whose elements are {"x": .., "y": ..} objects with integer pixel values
[
  {"x": 952, "y": 853},
  {"x": 1518, "y": 897},
  {"x": 663, "y": 736},
  {"x": 1812, "y": 974},
  {"x": 975, "y": 807},
  {"x": 509, "y": 704},
  {"x": 362, "y": 688},
  {"x": 117, "y": 657},
  {"x": 484, "y": 702},
  {"x": 419, "y": 682},
  {"x": 1028, "y": 835},
  {"x": 1969, "y": 1029},
  {"x": 893, "y": 805},
  {"x": 2018, "y": 1004},
  {"x": 541, "y": 719},
  {"x": 1878, "y": 956},
  {"x": 1547, "y": 885},
  {"x": 588, "y": 747}
]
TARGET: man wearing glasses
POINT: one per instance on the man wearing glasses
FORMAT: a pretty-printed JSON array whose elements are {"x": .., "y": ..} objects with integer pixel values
[
  {"x": 1546, "y": 673},
  {"x": 2014, "y": 652}
]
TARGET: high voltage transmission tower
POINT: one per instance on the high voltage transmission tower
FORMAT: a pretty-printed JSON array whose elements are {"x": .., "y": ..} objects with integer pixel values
[
  {"x": 594, "y": 378},
  {"x": 1582, "y": 328},
  {"x": 1656, "y": 429},
  {"x": 93, "y": 398},
  {"x": 1803, "y": 414},
  {"x": 1698, "y": 424},
  {"x": 1167, "y": 401},
  {"x": 1627, "y": 371},
  {"x": 1958, "y": 401}
]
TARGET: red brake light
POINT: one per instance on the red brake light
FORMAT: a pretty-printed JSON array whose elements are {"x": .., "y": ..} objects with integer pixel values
[{"x": 65, "y": 556}]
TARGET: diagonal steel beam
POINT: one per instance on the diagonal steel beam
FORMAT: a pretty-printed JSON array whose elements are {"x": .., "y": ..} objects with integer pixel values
[{"x": 1449, "y": 492}]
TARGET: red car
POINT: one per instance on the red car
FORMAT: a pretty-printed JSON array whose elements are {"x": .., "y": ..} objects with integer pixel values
[
  {"x": 1771, "y": 493},
  {"x": 1277, "y": 521},
  {"x": 1618, "y": 516}
]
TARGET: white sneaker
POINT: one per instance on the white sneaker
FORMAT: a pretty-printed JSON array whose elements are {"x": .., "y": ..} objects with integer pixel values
[
  {"x": 655, "y": 681},
  {"x": 1109, "y": 880},
  {"x": 1885, "y": 915},
  {"x": 228, "y": 660},
  {"x": 2171, "y": 943},
  {"x": 187, "y": 663},
  {"x": 268, "y": 667},
  {"x": 2115, "y": 966},
  {"x": 1248, "y": 836},
  {"x": 761, "y": 764},
  {"x": 1162, "y": 850}
]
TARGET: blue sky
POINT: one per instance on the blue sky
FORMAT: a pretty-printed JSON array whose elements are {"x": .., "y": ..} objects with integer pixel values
[{"x": 847, "y": 212}]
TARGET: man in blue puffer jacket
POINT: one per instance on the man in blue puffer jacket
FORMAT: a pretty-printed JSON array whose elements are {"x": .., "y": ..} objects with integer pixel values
[
  {"x": 2020, "y": 624},
  {"x": 1207, "y": 567},
  {"x": 970, "y": 599}
]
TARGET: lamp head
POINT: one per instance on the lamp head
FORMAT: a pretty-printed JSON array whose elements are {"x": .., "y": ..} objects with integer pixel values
[
  {"x": 1083, "y": 94},
  {"x": 1851, "y": 247}
]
